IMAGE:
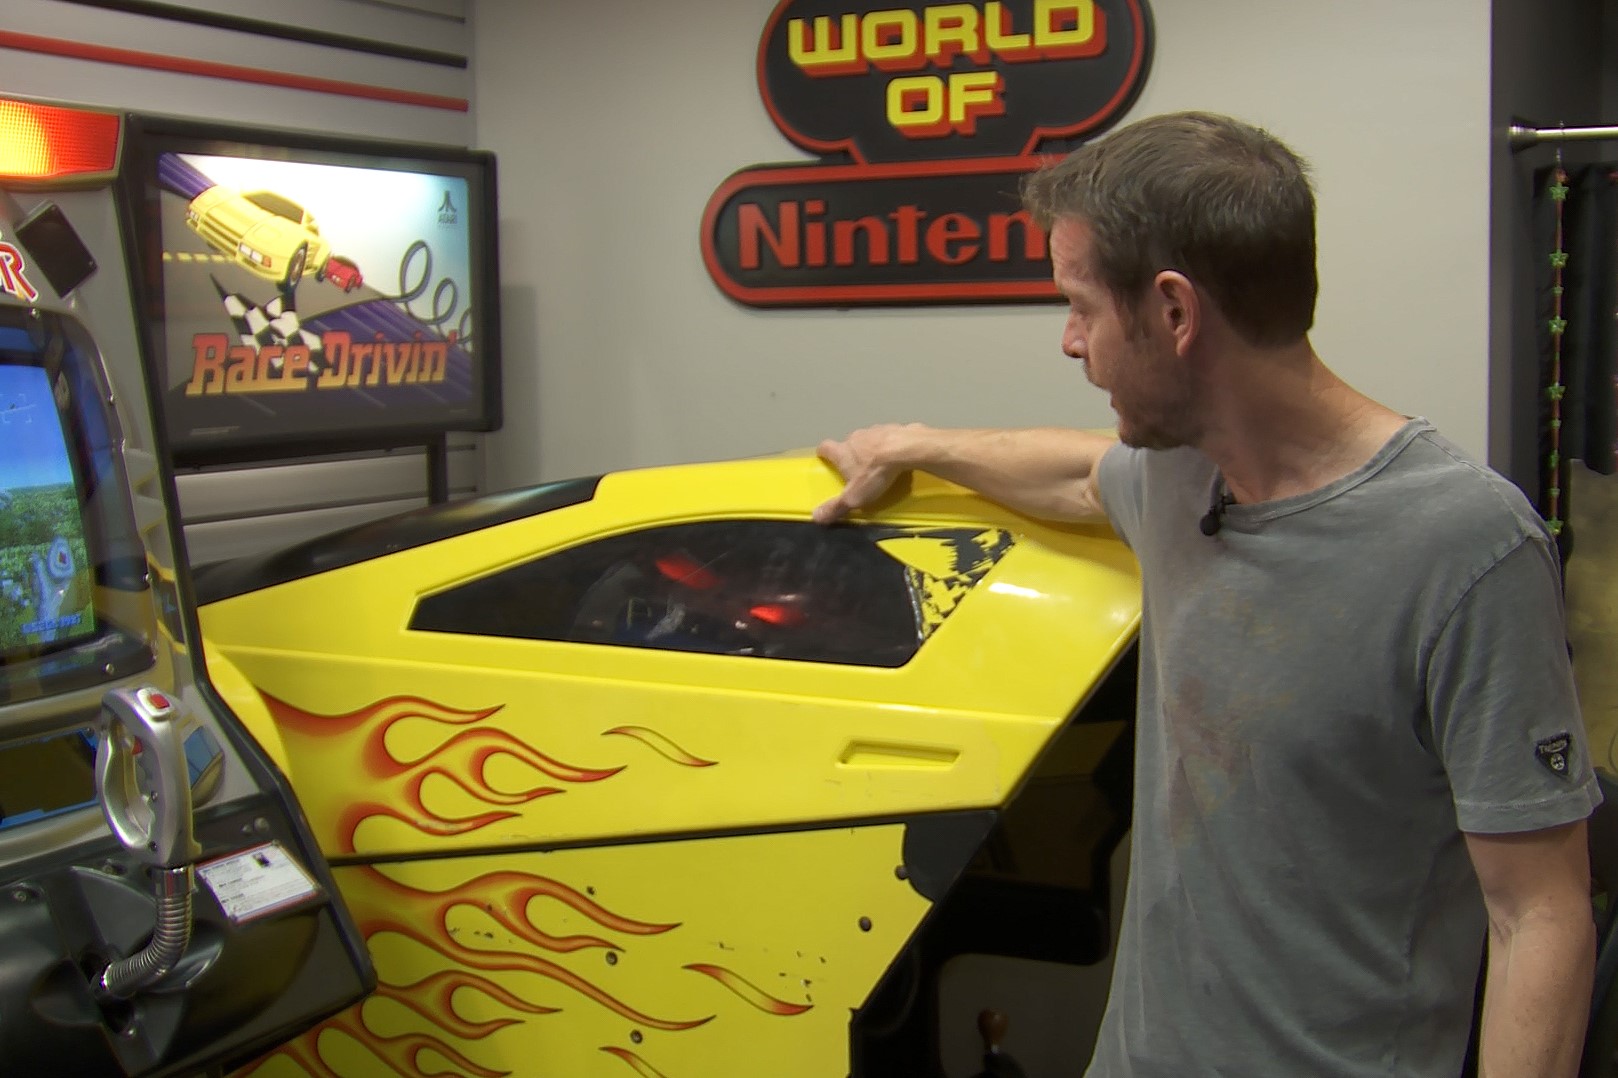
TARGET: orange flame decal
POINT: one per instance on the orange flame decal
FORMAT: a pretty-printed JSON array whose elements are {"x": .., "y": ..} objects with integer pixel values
[
  {"x": 459, "y": 759},
  {"x": 642, "y": 1068},
  {"x": 356, "y": 743},
  {"x": 660, "y": 744},
  {"x": 750, "y": 991},
  {"x": 432, "y": 996},
  {"x": 401, "y": 1052},
  {"x": 431, "y": 999},
  {"x": 505, "y": 897},
  {"x": 510, "y": 893},
  {"x": 424, "y": 917},
  {"x": 497, "y": 961}
]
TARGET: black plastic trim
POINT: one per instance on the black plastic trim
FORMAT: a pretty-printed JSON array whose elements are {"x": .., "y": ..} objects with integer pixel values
[{"x": 968, "y": 818}]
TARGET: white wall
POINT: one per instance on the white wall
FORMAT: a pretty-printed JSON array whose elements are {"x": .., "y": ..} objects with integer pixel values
[{"x": 615, "y": 120}]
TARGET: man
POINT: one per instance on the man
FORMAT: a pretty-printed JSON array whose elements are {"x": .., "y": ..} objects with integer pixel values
[{"x": 1358, "y": 750}]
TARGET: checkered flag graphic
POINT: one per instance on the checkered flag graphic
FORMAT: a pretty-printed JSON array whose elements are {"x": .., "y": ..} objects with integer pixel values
[{"x": 273, "y": 323}]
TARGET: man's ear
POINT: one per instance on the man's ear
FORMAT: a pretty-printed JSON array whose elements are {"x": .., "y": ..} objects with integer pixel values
[{"x": 1179, "y": 307}]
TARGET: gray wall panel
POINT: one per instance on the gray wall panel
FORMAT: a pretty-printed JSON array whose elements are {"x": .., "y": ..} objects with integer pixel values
[
  {"x": 165, "y": 37},
  {"x": 235, "y": 511},
  {"x": 277, "y": 489},
  {"x": 92, "y": 82},
  {"x": 225, "y": 539},
  {"x": 439, "y": 25}
]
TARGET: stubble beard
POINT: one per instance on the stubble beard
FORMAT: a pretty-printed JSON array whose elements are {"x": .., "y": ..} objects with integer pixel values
[
  {"x": 1148, "y": 437},
  {"x": 1162, "y": 415}
]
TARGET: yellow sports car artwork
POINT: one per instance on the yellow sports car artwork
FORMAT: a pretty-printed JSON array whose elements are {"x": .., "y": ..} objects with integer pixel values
[
  {"x": 264, "y": 232},
  {"x": 648, "y": 774}
]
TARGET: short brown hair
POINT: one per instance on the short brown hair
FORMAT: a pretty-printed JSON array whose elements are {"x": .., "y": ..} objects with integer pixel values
[{"x": 1225, "y": 203}]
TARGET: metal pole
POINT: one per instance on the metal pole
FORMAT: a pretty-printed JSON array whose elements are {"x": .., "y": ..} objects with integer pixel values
[{"x": 1523, "y": 137}]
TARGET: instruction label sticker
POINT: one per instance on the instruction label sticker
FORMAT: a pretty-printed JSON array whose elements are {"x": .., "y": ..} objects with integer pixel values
[{"x": 257, "y": 882}]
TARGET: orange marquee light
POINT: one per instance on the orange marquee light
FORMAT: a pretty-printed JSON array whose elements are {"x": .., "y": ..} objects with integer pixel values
[{"x": 40, "y": 143}]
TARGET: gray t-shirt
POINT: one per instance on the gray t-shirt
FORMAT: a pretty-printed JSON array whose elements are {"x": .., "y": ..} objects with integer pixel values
[{"x": 1332, "y": 688}]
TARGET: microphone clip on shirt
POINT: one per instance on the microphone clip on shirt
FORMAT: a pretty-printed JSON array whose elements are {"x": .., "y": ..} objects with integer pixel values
[{"x": 1214, "y": 518}]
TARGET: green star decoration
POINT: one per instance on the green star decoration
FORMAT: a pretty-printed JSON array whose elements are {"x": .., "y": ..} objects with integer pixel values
[
  {"x": 1554, "y": 461},
  {"x": 1557, "y": 326},
  {"x": 1555, "y": 526},
  {"x": 1555, "y": 492},
  {"x": 1556, "y": 392},
  {"x": 1558, "y": 192},
  {"x": 1558, "y": 259},
  {"x": 1557, "y": 290},
  {"x": 1556, "y": 424}
]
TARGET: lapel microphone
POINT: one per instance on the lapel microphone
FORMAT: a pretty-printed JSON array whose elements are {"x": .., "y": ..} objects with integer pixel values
[{"x": 1214, "y": 518}]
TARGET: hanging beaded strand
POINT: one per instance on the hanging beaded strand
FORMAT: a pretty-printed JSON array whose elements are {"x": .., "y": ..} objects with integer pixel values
[{"x": 1556, "y": 390}]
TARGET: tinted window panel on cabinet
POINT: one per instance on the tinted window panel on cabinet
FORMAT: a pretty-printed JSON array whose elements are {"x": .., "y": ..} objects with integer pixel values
[{"x": 772, "y": 589}]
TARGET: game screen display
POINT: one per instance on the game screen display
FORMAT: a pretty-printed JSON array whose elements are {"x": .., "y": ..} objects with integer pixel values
[
  {"x": 312, "y": 298},
  {"x": 45, "y": 577}
]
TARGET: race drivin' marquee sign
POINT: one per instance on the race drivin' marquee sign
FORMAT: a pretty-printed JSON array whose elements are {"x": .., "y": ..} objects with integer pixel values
[{"x": 925, "y": 118}]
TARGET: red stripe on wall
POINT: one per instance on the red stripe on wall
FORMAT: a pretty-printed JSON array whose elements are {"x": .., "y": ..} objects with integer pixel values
[{"x": 78, "y": 50}]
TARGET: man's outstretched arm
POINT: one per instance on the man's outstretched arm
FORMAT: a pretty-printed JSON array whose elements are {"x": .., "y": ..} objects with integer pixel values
[
  {"x": 1045, "y": 472},
  {"x": 1541, "y": 951}
]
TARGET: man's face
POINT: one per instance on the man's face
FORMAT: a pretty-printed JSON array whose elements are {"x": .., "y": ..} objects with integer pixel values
[{"x": 1129, "y": 355}]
